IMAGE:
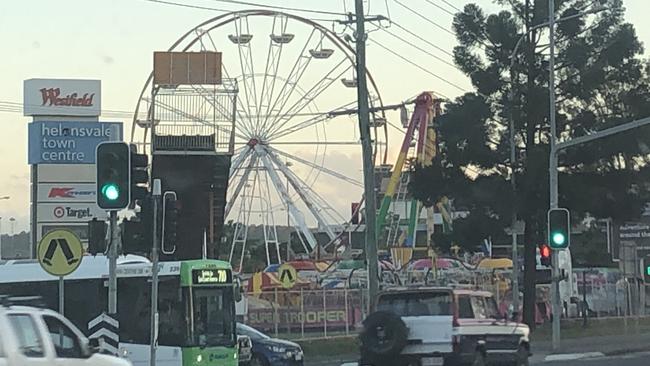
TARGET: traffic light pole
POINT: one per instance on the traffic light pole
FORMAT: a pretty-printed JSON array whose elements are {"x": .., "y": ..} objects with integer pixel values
[
  {"x": 553, "y": 183},
  {"x": 112, "y": 264},
  {"x": 156, "y": 192}
]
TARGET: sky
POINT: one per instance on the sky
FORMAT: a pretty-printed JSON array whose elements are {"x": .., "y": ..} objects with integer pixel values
[{"x": 113, "y": 40}]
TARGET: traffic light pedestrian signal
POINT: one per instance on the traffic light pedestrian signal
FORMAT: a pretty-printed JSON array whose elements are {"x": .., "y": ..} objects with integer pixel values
[
  {"x": 545, "y": 255},
  {"x": 113, "y": 170},
  {"x": 139, "y": 177},
  {"x": 559, "y": 228}
]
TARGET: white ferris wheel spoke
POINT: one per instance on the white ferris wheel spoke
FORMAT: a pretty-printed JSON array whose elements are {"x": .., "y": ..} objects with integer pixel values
[
  {"x": 291, "y": 82},
  {"x": 318, "y": 167},
  {"x": 297, "y": 186},
  {"x": 247, "y": 122},
  {"x": 310, "y": 122},
  {"x": 319, "y": 87},
  {"x": 247, "y": 68},
  {"x": 243, "y": 180},
  {"x": 271, "y": 70},
  {"x": 242, "y": 153},
  {"x": 286, "y": 198}
]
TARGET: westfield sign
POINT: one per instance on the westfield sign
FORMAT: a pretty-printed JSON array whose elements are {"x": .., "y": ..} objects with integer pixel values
[{"x": 52, "y": 97}]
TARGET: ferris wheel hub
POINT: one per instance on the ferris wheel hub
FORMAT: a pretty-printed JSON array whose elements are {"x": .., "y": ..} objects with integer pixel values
[{"x": 254, "y": 142}]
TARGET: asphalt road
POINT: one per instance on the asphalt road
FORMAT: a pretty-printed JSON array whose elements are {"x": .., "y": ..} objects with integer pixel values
[{"x": 638, "y": 359}]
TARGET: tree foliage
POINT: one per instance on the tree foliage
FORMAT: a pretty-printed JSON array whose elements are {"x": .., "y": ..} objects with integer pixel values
[{"x": 602, "y": 81}]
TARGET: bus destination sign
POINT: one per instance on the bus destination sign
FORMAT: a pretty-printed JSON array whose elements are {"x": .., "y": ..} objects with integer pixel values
[{"x": 211, "y": 276}]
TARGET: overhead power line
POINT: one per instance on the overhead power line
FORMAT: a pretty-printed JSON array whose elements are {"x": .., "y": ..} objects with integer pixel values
[
  {"x": 420, "y": 48},
  {"x": 452, "y": 5},
  {"x": 422, "y": 39},
  {"x": 188, "y": 5},
  {"x": 440, "y": 7},
  {"x": 423, "y": 69},
  {"x": 238, "y": 2},
  {"x": 425, "y": 18}
]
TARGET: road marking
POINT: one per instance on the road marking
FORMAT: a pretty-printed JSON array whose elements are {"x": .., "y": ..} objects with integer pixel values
[{"x": 573, "y": 356}]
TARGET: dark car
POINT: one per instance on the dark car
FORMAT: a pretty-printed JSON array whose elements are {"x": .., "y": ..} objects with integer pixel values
[{"x": 269, "y": 351}]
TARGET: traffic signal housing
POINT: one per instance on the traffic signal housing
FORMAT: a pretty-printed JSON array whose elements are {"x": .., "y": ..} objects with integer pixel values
[
  {"x": 559, "y": 228},
  {"x": 96, "y": 236},
  {"x": 170, "y": 222},
  {"x": 112, "y": 160},
  {"x": 545, "y": 255},
  {"x": 139, "y": 177}
]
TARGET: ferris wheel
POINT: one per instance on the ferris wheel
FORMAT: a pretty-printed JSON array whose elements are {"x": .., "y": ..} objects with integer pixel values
[{"x": 297, "y": 156}]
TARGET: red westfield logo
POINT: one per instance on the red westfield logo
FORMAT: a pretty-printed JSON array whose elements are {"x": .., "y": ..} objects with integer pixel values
[
  {"x": 52, "y": 97},
  {"x": 61, "y": 193}
]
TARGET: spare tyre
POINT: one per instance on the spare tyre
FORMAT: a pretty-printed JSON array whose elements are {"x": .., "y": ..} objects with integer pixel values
[{"x": 384, "y": 335}]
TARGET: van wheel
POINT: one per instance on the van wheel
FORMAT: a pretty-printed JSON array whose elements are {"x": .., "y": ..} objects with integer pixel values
[{"x": 479, "y": 359}]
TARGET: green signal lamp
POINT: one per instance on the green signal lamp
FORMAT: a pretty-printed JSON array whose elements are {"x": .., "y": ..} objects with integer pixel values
[
  {"x": 558, "y": 239},
  {"x": 111, "y": 191}
]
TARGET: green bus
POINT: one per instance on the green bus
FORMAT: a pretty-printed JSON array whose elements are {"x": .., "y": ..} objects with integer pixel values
[{"x": 196, "y": 305}]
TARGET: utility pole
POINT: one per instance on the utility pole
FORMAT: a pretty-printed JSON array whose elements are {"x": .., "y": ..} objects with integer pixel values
[
  {"x": 156, "y": 193},
  {"x": 553, "y": 194},
  {"x": 368, "y": 163},
  {"x": 513, "y": 166}
]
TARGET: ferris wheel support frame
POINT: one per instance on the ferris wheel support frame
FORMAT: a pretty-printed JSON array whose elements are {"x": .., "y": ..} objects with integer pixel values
[{"x": 296, "y": 215}]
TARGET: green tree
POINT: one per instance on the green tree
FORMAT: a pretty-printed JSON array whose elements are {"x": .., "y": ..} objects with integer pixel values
[{"x": 601, "y": 82}]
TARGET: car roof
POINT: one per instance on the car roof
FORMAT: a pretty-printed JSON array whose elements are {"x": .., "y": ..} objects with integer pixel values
[
  {"x": 411, "y": 289},
  {"x": 472, "y": 292},
  {"x": 27, "y": 309},
  {"x": 391, "y": 290}
]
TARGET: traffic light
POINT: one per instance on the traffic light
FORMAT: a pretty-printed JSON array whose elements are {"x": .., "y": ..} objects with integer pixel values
[
  {"x": 545, "y": 255},
  {"x": 113, "y": 168},
  {"x": 559, "y": 228},
  {"x": 139, "y": 177},
  {"x": 134, "y": 237},
  {"x": 170, "y": 220},
  {"x": 96, "y": 236}
]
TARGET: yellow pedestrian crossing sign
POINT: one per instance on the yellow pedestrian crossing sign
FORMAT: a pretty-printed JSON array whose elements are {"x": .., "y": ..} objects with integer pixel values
[
  {"x": 60, "y": 252},
  {"x": 287, "y": 275}
]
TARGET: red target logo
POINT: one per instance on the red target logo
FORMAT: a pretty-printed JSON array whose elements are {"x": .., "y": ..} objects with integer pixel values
[{"x": 59, "y": 212}]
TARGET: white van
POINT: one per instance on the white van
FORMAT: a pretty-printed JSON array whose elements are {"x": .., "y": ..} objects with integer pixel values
[{"x": 31, "y": 336}]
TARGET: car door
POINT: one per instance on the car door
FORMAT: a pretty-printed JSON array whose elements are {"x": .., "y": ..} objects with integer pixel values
[
  {"x": 67, "y": 344},
  {"x": 31, "y": 346},
  {"x": 4, "y": 361}
]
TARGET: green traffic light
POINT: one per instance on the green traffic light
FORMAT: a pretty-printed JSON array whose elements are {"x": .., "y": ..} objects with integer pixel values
[
  {"x": 111, "y": 191},
  {"x": 558, "y": 239},
  {"x": 647, "y": 270}
]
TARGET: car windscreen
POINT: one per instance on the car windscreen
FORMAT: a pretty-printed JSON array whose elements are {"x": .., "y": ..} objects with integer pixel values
[
  {"x": 416, "y": 303},
  {"x": 252, "y": 333}
]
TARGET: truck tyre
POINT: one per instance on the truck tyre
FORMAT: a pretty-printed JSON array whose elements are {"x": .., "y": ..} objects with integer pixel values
[{"x": 383, "y": 337}]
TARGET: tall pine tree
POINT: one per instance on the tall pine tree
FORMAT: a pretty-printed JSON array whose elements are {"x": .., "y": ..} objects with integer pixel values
[{"x": 602, "y": 81}]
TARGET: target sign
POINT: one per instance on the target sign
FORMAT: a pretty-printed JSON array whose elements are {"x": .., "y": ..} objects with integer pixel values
[{"x": 59, "y": 212}]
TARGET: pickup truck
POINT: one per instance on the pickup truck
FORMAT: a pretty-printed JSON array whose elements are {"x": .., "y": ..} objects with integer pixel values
[
  {"x": 31, "y": 336},
  {"x": 429, "y": 326}
]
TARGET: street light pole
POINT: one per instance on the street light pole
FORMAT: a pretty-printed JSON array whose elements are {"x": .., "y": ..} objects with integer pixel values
[{"x": 553, "y": 179}]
